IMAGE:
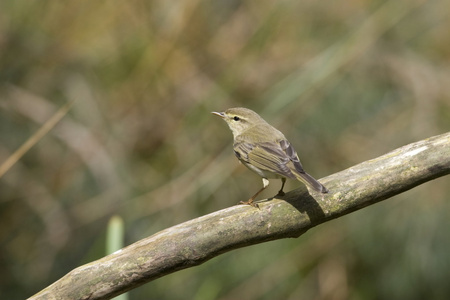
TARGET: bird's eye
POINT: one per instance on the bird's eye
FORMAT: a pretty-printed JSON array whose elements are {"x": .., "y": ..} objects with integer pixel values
[{"x": 236, "y": 118}]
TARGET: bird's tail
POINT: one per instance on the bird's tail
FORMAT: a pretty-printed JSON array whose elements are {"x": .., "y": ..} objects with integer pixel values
[{"x": 311, "y": 182}]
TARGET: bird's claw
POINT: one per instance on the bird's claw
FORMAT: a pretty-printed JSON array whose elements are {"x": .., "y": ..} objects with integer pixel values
[
  {"x": 249, "y": 202},
  {"x": 280, "y": 193}
]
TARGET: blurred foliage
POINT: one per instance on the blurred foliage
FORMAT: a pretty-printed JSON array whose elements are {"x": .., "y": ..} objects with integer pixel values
[{"x": 346, "y": 81}]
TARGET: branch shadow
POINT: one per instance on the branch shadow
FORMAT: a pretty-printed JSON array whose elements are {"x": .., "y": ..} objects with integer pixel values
[{"x": 304, "y": 202}]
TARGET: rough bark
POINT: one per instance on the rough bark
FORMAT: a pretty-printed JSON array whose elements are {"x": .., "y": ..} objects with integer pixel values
[{"x": 196, "y": 241}]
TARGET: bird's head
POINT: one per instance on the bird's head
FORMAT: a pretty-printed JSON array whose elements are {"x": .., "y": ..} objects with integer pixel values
[{"x": 239, "y": 119}]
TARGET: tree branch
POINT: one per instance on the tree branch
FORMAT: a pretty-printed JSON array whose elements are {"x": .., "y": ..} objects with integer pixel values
[{"x": 196, "y": 241}]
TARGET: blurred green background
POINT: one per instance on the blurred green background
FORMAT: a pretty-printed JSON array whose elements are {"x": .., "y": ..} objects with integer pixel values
[{"x": 346, "y": 81}]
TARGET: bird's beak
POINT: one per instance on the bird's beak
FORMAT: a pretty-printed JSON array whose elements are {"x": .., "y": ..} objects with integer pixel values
[{"x": 220, "y": 114}]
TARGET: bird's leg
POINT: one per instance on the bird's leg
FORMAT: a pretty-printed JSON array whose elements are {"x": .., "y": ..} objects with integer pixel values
[
  {"x": 250, "y": 201},
  {"x": 280, "y": 192}
]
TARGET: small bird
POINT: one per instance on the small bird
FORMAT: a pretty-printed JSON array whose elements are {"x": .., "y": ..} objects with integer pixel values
[{"x": 264, "y": 150}]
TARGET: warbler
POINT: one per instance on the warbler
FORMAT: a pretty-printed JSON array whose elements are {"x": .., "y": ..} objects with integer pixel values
[{"x": 264, "y": 150}]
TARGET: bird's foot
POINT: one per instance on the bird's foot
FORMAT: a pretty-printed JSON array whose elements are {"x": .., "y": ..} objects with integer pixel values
[
  {"x": 280, "y": 193},
  {"x": 250, "y": 202}
]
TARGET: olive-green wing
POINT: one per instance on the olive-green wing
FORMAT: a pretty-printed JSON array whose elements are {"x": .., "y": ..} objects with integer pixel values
[
  {"x": 268, "y": 156},
  {"x": 276, "y": 157}
]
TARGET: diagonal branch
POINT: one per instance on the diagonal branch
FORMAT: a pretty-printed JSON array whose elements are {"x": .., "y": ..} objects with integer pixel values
[{"x": 196, "y": 241}]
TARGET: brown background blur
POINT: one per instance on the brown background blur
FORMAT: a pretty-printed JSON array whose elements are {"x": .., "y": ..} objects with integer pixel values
[{"x": 346, "y": 81}]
